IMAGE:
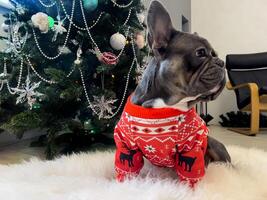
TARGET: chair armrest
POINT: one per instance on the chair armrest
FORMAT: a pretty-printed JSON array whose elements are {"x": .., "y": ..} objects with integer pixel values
[
  {"x": 252, "y": 86},
  {"x": 254, "y": 92}
]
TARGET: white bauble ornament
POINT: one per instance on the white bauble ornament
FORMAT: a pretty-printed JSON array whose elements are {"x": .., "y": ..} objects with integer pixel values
[
  {"x": 40, "y": 20},
  {"x": 117, "y": 41},
  {"x": 141, "y": 17}
]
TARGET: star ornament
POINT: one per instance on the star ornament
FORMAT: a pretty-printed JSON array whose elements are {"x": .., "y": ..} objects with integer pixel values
[
  {"x": 150, "y": 149},
  {"x": 59, "y": 29},
  {"x": 27, "y": 92}
]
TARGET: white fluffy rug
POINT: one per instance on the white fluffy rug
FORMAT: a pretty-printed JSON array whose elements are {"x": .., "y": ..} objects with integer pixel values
[{"x": 90, "y": 177}]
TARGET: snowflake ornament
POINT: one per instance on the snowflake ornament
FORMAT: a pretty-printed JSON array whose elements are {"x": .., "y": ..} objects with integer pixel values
[
  {"x": 58, "y": 28},
  {"x": 150, "y": 149},
  {"x": 104, "y": 107},
  {"x": 27, "y": 92}
]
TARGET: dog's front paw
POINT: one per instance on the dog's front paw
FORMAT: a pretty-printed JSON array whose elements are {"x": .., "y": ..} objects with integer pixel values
[{"x": 216, "y": 152}]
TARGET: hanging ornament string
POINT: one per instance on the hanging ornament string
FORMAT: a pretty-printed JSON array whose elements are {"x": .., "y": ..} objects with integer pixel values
[
  {"x": 91, "y": 106},
  {"x": 121, "y": 6},
  {"x": 77, "y": 61},
  {"x": 4, "y": 75},
  {"x": 65, "y": 42},
  {"x": 86, "y": 25},
  {"x": 37, "y": 74},
  {"x": 91, "y": 37},
  {"x": 6, "y": 81},
  {"x": 135, "y": 56},
  {"x": 49, "y": 5},
  {"x": 86, "y": 93},
  {"x": 140, "y": 69},
  {"x": 20, "y": 76},
  {"x": 71, "y": 72},
  {"x": 71, "y": 20},
  {"x": 95, "y": 23},
  {"x": 141, "y": 21},
  {"x": 15, "y": 42}
]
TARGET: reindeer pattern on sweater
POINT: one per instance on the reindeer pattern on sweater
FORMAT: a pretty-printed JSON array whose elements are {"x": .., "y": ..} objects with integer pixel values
[{"x": 167, "y": 137}]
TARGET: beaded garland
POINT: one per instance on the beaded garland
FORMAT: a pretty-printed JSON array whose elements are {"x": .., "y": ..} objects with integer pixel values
[
  {"x": 7, "y": 82},
  {"x": 47, "y": 5},
  {"x": 86, "y": 28}
]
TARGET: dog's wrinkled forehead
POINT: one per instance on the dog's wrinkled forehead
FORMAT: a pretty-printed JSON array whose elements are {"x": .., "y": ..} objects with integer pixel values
[{"x": 185, "y": 42}]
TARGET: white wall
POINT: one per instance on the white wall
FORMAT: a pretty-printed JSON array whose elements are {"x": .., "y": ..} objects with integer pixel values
[
  {"x": 176, "y": 8},
  {"x": 232, "y": 26}
]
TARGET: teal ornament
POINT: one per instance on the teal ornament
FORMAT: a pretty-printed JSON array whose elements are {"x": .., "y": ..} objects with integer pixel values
[
  {"x": 51, "y": 22},
  {"x": 90, "y": 5}
]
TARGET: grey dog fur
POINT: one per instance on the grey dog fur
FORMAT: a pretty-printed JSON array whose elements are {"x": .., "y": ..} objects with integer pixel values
[{"x": 176, "y": 72}]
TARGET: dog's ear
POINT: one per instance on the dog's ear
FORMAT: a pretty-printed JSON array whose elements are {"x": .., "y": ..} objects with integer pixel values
[{"x": 159, "y": 28}]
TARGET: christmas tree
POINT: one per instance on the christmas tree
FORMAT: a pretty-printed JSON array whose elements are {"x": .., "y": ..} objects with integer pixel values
[{"x": 68, "y": 67}]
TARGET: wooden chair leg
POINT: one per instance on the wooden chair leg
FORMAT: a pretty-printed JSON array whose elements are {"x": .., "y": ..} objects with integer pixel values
[
  {"x": 254, "y": 108},
  {"x": 255, "y": 120},
  {"x": 255, "y": 111}
]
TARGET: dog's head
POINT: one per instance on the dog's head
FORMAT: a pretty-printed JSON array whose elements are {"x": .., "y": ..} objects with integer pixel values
[{"x": 187, "y": 65}]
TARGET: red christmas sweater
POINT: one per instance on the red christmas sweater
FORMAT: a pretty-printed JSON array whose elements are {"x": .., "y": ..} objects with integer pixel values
[{"x": 167, "y": 137}]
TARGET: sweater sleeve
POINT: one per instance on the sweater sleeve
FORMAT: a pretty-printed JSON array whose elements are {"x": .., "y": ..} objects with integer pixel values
[
  {"x": 128, "y": 158},
  {"x": 190, "y": 165}
]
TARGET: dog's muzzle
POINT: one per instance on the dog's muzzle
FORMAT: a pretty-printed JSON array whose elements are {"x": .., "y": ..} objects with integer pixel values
[{"x": 209, "y": 80}]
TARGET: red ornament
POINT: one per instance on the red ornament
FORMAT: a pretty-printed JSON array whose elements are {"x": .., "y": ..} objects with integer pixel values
[{"x": 108, "y": 58}]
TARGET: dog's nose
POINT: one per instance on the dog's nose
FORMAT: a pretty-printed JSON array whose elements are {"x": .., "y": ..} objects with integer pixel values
[{"x": 220, "y": 62}]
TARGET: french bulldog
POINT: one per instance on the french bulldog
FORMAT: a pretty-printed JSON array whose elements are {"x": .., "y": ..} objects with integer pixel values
[
  {"x": 184, "y": 71},
  {"x": 159, "y": 121}
]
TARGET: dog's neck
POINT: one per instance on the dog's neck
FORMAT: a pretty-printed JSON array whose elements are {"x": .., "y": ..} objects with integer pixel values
[
  {"x": 181, "y": 105},
  {"x": 155, "y": 91}
]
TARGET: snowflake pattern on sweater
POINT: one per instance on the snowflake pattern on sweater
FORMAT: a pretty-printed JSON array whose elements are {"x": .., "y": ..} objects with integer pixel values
[{"x": 167, "y": 137}]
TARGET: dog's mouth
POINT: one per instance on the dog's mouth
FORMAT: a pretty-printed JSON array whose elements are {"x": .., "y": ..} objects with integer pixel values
[
  {"x": 210, "y": 95},
  {"x": 214, "y": 93}
]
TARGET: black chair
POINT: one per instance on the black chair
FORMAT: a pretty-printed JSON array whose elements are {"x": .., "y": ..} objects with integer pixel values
[{"x": 248, "y": 78}]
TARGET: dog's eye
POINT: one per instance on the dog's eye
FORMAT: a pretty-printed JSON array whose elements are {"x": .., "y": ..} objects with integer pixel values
[{"x": 201, "y": 53}]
